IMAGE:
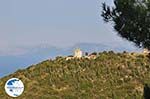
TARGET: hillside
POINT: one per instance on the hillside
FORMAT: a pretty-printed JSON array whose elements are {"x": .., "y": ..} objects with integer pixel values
[
  {"x": 109, "y": 76},
  {"x": 34, "y": 54}
]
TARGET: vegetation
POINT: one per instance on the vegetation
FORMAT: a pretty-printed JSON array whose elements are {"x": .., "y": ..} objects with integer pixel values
[
  {"x": 147, "y": 91},
  {"x": 131, "y": 19},
  {"x": 109, "y": 76}
]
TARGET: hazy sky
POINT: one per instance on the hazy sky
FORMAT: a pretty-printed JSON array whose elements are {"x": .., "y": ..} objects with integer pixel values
[{"x": 55, "y": 22}]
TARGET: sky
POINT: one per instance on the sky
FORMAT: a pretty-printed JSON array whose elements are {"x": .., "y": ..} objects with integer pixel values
[{"x": 60, "y": 23}]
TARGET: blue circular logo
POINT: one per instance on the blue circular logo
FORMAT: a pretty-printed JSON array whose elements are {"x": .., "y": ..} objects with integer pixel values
[{"x": 14, "y": 87}]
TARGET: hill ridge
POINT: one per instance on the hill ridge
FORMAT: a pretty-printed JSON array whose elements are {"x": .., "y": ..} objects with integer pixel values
[{"x": 110, "y": 75}]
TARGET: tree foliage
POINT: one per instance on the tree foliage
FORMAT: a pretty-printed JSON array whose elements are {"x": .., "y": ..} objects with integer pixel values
[
  {"x": 147, "y": 91},
  {"x": 131, "y": 19}
]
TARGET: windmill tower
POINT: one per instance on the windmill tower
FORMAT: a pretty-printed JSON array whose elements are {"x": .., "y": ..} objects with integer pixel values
[{"x": 77, "y": 53}]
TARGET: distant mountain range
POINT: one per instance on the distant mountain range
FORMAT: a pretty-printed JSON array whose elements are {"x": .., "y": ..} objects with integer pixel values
[{"x": 11, "y": 63}]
